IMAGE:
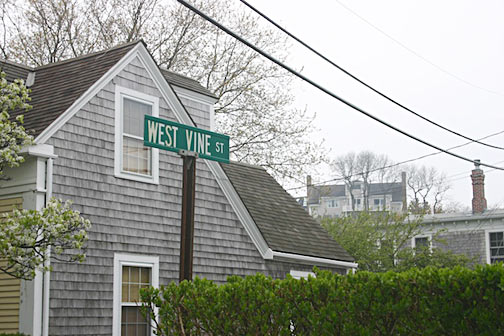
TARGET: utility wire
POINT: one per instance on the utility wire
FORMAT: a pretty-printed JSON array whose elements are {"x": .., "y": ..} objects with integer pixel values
[
  {"x": 395, "y": 165},
  {"x": 417, "y": 54},
  {"x": 361, "y": 81},
  {"x": 323, "y": 89}
]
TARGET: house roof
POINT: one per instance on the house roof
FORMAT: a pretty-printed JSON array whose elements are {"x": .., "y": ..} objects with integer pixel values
[
  {"x": 186, "y": 83},
  {"x": 284, "y": 224},
  {"x": 58, "y": 85},
  {"x": 461, "y": 216},
  {"x": 13, "y": 70}
]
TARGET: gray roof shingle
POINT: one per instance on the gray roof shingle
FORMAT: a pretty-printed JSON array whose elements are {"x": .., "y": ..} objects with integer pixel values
[
  {"x": 58, "y": 85},
  {"x": 186, "y": 83},
  {"x": 284, "y": 224}
]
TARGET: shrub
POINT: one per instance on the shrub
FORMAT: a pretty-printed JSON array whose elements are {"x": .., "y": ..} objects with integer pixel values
[{"x": 430, "y": 301}]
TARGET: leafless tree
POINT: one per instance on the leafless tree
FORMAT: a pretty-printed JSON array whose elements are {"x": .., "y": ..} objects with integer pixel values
[
  {"x": 427, "y": 188},
  {"x": 364, "y": 167},
  {"x": 255, "y": 103}
]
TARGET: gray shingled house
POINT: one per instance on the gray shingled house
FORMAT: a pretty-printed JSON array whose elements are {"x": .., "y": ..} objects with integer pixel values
[
  {"x": 479, "y": 234},
  {"x": 85, "y": 118}
]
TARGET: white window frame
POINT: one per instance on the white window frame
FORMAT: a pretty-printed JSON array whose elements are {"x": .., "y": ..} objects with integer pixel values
[
  {"x": 121, "y": 260},
  {"x": 120, "y": 94},
  {"x": 332, "y": 203},
  {"x": 301, "y": 274},
  {"x": 487, "y": 243},
  {"x": 429, "y": 238}
]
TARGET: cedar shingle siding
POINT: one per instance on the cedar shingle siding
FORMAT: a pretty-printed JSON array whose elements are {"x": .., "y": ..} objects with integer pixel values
[{"x": 133, "y": 217}]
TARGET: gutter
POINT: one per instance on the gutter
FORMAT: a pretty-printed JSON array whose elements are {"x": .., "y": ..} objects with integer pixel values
[{"x": 317, "y": 260}]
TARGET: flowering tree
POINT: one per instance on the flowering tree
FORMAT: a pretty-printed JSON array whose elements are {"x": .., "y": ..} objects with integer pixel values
[
  {"x": 12, "y": 134},
  {"x": 26, "y": 235}
]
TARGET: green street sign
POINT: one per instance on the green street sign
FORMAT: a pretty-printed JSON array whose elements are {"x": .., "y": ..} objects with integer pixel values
[{"x": 172, "y": 136}]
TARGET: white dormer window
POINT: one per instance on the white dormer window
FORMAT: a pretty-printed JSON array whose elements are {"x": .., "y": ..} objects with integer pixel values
[{"x": 133, "y": 160}]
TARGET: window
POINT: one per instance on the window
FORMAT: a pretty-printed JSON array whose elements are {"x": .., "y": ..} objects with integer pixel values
[
  {"x": 357, "y": 201},
  {"x": 421, "y": 243},
  {"x": 133, "y": 160},
  {"x": 496, "y": 247},
  {"x": 132, "y": 273},
  {"x": 332, "y": 204},
  {"x": 378, "y": 202},
  {"x": 301, "y": 274}
]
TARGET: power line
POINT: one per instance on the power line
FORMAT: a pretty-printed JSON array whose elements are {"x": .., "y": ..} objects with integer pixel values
[
  {"x": 417, "y": 54},
  {"x": 396, "y": 164},
  {"x": 323, "y": 89},
  {"x": 361, "y": 81}
]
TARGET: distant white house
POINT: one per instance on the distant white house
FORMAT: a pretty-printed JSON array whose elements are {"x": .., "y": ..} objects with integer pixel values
[{"x": 338, "y": 199}]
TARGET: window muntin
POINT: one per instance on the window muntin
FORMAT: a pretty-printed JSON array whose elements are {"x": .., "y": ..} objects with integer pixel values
[
  {"x": 133, "y": 323},
  {"x": 496, "y": 247}
]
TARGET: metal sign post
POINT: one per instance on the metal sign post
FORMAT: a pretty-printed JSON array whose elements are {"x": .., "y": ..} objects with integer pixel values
[{"x": 190, "y": 143}]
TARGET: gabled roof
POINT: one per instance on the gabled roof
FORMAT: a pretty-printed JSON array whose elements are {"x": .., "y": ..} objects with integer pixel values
[
  {"x": 393, "y": 188},
  {"x": 58, "y": 85},
  {"x": 316, "y": 192},
  {"x": 276, "y": 224},
  {"x": 284, "y": 224}
]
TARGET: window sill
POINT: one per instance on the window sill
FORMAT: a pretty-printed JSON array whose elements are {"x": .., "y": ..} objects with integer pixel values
[{"x": 138, "y": 177}]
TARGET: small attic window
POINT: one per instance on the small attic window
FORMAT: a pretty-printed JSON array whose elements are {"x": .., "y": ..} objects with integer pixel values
[{"x": 133, "y": 160}]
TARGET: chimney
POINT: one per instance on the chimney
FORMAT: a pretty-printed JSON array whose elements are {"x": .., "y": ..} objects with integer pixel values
[
  {"x": 479, "y": 203},
  {"x": 403, "y": 192}
]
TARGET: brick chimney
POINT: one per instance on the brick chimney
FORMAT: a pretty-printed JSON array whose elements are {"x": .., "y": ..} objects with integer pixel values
[{"x": 479, "y": 203}]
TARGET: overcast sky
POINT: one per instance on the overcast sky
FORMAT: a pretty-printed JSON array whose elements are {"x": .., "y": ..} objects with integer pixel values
[{"x": 463, "y": 38}]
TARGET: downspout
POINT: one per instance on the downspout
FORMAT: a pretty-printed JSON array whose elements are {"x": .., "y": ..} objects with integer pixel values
[{"x": 47, "y": 274}]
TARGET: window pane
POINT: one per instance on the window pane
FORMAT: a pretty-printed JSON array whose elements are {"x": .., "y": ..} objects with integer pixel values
[
  {"x": 145, "y": 275},
  {"x": 134, "y": 271},
  {"x": 133, "y": 117},
  {"x": 421, "y": 242},
  {"x": 133, "y": 322},
  {"x": 125, "y": 293},
  {"x": 136, "y": 157}
]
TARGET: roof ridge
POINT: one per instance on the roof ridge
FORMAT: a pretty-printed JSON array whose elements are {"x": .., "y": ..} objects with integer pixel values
[
  {"x": 79, "y": 58},
  {"x": 24, "y": 66},
  {"x": 247, "y": 165}
]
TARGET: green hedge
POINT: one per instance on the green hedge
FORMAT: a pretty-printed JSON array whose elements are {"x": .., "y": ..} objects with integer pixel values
[{"x": 430, "y": 301}]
